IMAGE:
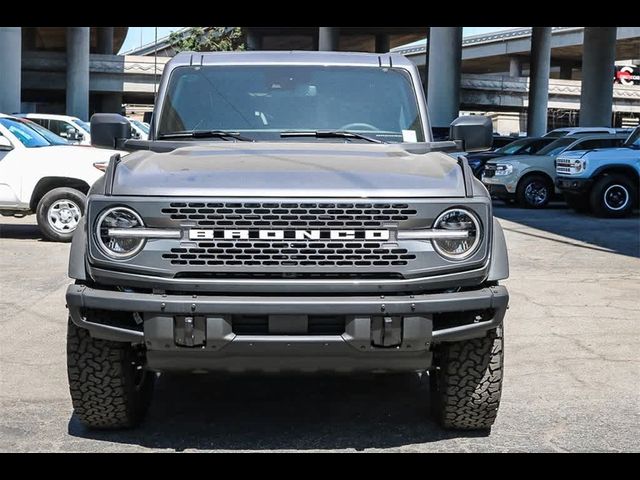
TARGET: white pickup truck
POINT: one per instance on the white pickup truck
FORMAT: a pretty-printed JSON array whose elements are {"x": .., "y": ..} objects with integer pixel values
[{"x": 42, "y": 173}]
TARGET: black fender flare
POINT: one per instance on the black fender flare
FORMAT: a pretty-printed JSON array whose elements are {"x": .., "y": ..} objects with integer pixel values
[
  {"x": 499, "y": 263},
  {"x": 77, "y": 268}
]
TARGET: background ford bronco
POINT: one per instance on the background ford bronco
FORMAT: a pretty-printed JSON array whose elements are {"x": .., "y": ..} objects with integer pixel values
[{"x": 289, "y": 212}]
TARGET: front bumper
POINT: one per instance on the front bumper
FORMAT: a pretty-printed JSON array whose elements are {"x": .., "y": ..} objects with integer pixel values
[
  {"x": 416, "y": 321},
  {"x": 499, "y": 191},
  {"x": 508, "y": 183},
  {"x": 574, "y": 185}
]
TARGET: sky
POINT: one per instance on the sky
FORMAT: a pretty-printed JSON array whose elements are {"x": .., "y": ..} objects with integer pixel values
[{"x": 142, "y": 35}]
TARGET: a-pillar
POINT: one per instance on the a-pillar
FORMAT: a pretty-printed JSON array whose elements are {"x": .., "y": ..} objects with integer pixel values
[
  {"x": 78, "y": 72},
  {"x": 443, "y": 91},
  {"x": 10, "y": 69},
  {"x": 598, "y": 63},
  {"x": 328, "y": 39},
  {"x": 383, "y": 43},
  {"x": 105, "y": 40},
  {"x": 539, "y": 70}
]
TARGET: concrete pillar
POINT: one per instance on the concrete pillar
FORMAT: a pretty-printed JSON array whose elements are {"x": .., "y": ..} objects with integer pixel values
[
  {"x": 539, "y": 71},
  {"x": 254, "y": 40},
  {"x": 78, "y": 72},
  {"x": 111, "y": 103},
  {"x": 383, "y": 43},
  {"x": 10, "y": 69},
  {"x": 515, "y": 67},
  {"x": 598, "y": 60},
  {"x": 566, "y": 70},
  {"x": 105, "y": 40},
  {"x": 328, "y": 39},
  {"x": 443, "y": 92}
]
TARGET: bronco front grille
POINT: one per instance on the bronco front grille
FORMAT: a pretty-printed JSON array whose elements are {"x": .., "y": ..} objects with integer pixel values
[
  {"x": 285, "y": 214},
  {"x": 284, "y": 254}
]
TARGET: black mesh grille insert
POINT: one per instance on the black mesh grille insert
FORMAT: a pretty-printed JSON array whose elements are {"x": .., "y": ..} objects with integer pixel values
[
  {"x": 282, "y": 215},
  {"x": 284, "y": 254}
]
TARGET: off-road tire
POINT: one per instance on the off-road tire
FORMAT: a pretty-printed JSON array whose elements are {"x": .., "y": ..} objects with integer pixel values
[
  {"x": 597, "y": 198},
  {"x": 62, "y": 193},
  {"x": 579, "y": 203},
  {"x": 466, "y": 384},
  {"x": 106, "y": 391},
  {"x": 522, "y": 187}
]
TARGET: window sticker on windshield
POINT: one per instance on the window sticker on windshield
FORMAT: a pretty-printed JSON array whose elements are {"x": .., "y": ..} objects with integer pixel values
[{"x": 409, "y": 136}]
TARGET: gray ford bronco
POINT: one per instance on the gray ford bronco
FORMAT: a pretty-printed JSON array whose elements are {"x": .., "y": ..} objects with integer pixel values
[{"x": 290, "y": 212}]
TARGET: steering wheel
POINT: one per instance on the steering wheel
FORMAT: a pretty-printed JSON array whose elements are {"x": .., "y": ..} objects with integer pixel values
[{"x": 359, "y": 126}]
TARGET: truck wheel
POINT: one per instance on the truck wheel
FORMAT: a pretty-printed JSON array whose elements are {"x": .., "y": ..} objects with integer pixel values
[
  {"x": 613, "y": 196},
  {"x": 578, "y": 203},
  {"x": 109, "y": 387},
  {"x": 59, "y": 212},
  {"x": 534, "y": 191},
  {"x": 467, "y": 382}
]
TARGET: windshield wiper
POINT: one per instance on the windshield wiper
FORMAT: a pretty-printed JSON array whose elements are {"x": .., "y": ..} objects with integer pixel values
[
  {"x": 329, "y": 134},
  {"x": 224, "y": 134}
]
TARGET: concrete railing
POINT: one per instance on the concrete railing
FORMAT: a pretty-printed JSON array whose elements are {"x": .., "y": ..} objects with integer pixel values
[{"x": 484, "y": 90}]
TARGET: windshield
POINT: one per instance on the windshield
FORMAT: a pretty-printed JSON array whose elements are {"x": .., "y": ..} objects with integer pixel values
[
  {"x": 26, "y": 133},
  {"x": 634, "y": 138},
  {"x": 528, "y": 146},
  {"x": 142, "y": 126},
  {"x": 554, "y": 148},
  {"x": 86, "y": 126},
  {"x": 48, "y": 134},
  {"x": 261, "y": 102}
]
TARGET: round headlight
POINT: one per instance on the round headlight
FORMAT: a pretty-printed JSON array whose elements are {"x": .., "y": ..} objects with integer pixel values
[
  {"x": 458, "y": 219},
  {"x": 118, "y": 247}
]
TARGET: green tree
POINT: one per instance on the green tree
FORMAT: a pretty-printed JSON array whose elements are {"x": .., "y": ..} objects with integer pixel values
[{"x": 209, "y": 39}]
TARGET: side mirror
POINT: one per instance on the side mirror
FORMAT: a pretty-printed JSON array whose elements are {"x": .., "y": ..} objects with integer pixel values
[
  {"x": 5, "y": 144},
  {"x": 73, "y": 135},
  {"x": 474, "y": 131},
  {"x": 108, "y": 130}
]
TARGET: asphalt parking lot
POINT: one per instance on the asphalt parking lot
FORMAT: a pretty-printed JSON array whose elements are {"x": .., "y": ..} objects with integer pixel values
[{"x": 572, "y": 374}]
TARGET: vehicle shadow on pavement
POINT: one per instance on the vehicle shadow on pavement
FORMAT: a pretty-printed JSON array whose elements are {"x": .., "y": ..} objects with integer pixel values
[
  {"x": 20, "y": 231},
  {"x": 620, "y": 235},
  {"x": 219, "y": 412}
]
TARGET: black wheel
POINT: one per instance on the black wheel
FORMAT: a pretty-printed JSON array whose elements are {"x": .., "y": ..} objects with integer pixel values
[
  {"x": 613, "y": 196},
  {"x": 109, "y": 386},
  {"x": 534, "y": 191},
  {"x": 578, "y": 203},
  {"x": 466, "y": 383},
  {"x": 59, "y": 212}
]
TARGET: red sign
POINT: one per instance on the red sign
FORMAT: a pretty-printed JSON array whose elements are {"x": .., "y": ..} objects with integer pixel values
[{"x": 627, "y": 75}]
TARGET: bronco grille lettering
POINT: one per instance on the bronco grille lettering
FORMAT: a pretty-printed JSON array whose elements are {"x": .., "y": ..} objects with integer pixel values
[{"x": 211, "y": 234}]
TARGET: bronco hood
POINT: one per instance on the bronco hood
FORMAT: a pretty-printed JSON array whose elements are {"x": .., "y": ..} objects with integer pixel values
[{"x": 290, "y": 170}]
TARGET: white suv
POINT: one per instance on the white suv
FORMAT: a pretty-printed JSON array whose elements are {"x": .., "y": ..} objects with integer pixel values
[
  {"x": 71, "y": 128},
  {"x": 42, "y": 173}
]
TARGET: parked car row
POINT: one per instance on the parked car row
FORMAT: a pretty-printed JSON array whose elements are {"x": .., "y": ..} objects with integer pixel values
[
  {"x": 44, "y": 174},
  {"x": 596, "y": 169},
  {"x": 77, "y": 131}
]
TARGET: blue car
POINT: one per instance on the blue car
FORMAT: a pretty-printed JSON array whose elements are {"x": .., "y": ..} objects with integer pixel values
[{"x": 604, "y": 181}]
